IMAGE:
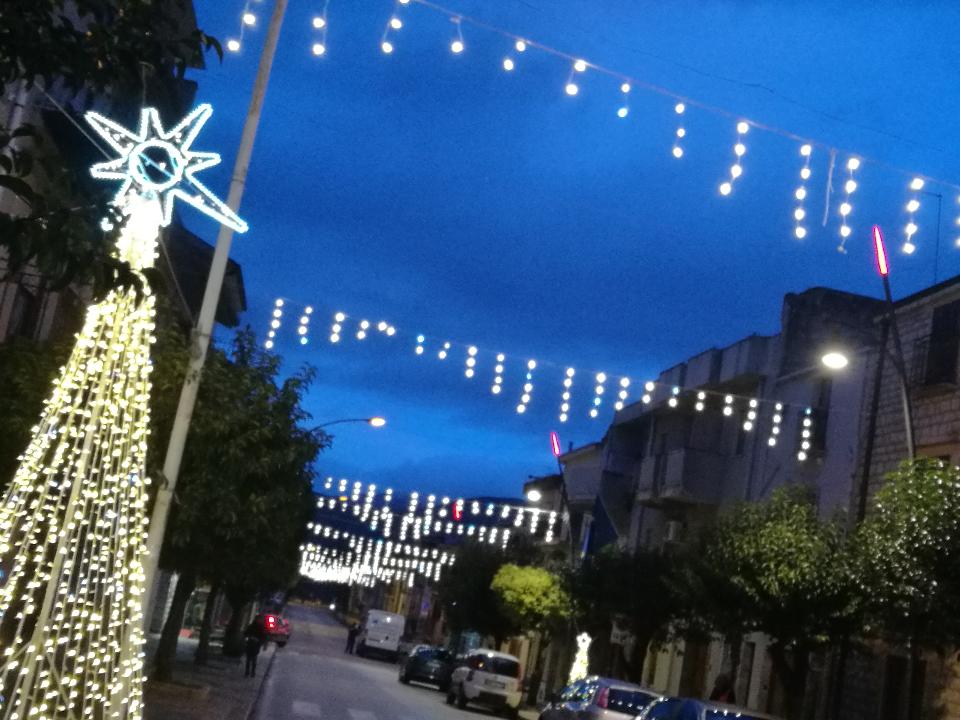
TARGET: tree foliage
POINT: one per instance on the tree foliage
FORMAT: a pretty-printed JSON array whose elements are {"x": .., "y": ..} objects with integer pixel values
[
  {"x": 466, "y": 593},
  {"x": 910, "y": 553},
  {"x": 533, "y": 598},
  {"x": 778, "y": 569},
  {"x": 631, "y": 590}
]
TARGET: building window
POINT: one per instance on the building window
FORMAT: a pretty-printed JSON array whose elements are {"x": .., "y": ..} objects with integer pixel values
[{"x": 943, "y": 346}]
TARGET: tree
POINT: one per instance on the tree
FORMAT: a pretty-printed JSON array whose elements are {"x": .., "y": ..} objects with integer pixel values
[
  {"x": 631, "y": 590},
  {"x": 80, "y": 50},
  {"x": 910, "y": 559},
  {"x": 245, "y": 490},
  {"x": 533, "y": 598},
  {"x": 466, "y": 591},
  {"x": 791, "y": 577}
]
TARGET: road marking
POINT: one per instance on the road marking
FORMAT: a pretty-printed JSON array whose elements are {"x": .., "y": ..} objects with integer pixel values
[
  {"x": 360, "y": 714},
  {"x": 306, "y": 709}
]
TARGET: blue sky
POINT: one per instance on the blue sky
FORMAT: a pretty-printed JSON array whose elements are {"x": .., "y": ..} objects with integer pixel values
[{"x": 450, "y": 198}]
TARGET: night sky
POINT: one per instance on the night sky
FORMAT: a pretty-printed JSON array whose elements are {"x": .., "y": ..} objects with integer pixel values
[{"x": 450, "y": 198}]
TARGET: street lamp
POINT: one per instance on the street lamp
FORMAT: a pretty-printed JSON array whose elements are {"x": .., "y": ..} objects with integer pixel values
[
  {"x": 835, "y": 360},
  {"x": 534, "y": 495},
  {"x": 375, "y": 421}
]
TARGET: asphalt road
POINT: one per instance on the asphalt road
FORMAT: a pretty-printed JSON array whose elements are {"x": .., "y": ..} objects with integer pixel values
[{"x": 312, "y": 679}]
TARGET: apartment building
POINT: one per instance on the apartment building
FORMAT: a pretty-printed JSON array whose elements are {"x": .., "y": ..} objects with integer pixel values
[{"x": 730, "y": 425}]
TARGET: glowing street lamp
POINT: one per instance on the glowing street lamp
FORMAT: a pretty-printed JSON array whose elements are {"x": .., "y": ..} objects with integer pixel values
[
  {"x": 534, "y": 495},
  {"x": 835, "y": 360},
  {"x": 376, "y": 421}
]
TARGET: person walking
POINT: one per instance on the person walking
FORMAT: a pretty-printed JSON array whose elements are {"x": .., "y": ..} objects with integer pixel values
[
  {"x": 254, "y": 638},
  {"x": 352, "y": 633}
]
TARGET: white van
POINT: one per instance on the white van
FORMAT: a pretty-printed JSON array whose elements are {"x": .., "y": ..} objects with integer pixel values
[{"x": 380, "y": 633}]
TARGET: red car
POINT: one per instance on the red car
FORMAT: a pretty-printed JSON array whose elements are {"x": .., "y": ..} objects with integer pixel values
[{"x": 275, "y": 628}]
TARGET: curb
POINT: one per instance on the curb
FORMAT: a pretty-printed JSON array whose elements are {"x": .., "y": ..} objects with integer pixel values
[{"x": 256, "y": 700}]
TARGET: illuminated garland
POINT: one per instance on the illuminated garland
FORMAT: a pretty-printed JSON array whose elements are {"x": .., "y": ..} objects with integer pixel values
[{"x": 73, "y": 519}]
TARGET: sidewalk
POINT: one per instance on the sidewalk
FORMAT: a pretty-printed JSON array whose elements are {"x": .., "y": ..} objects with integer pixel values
[{"x": 217, "y": 691}]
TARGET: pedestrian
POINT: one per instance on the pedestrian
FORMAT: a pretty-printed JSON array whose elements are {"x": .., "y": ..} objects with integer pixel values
[
  {"x": 254, "y": 637},
  {"x": 723, "y": 689},
  {"x": 352, "y": 633}
]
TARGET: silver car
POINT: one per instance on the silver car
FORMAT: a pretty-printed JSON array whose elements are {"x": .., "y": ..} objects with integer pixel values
[
  {"x": 597, "y": 698},
  {"x": 690, "y": 709}
]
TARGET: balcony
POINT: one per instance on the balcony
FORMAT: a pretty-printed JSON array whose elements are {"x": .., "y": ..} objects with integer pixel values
[
  {"x": 935, "y": 363},
  {"x": 686, "y": 476}
]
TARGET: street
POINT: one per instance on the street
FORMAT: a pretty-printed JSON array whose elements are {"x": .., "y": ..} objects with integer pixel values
[{"x": 313, "y": 679}]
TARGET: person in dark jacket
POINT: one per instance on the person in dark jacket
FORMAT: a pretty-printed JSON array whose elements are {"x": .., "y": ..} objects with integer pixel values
[
  {"x": 254, "y": 638},
  {"x": 352, "y": 638}
]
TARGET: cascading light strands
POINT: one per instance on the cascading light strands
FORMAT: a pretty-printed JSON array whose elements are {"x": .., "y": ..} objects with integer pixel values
[{"x": 73, "y": 523}]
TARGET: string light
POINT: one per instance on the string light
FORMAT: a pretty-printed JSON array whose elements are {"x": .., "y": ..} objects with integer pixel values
[
  {"x": 775, "y": 427},
  {"x": 320, "y": 25},
  {"x": 680, "y": 108},
  {"x": 362, "y": 329},
  {"x": 598, "y": 390},
  {"x": 336, "y": 327},
  {"x": 527, "y": 387},
  {"x": 800, "y": 212},
  {"x": 674, "y": 400},
  {"x": 443, "y": 351},
  {"x": 565, "y": 396},
  {"x": 498, "y": 377},
  {"x": 622, "y": 395},
  {"x": 471, "y": 361},
  {"x": 739, "y": 149},
  {"x": 805, "y": 434},
  {"x": 275, "y": 321},
  {"x": 728, "y": 405},
  {"x": 419, "y": 348},
  {"x": 571, "y": 87},
  {"x": 249, "y": 19},
  {"x": 648, "y": 388},
  {"x": 748, "y": 424},
  {"x": 457, "y": 46},
  {"x": 624, "y": 108},
  {"x": 913, "y": 204},
  {"x": 849, "y": 188},
  {"x": 305, "y": 325},
  {"x": 701, "y": 397}
]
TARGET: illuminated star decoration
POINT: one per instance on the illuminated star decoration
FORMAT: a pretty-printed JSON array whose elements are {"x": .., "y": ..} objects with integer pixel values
[{"x": 159, "y": 164}]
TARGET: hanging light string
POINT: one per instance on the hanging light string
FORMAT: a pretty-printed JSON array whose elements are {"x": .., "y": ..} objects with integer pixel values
[
  {"x": 248, "y": 19},
  {"x": 635, "y": 82},
  {"x": 672, "y": 394},
  {"x": 320, "y": 25}
]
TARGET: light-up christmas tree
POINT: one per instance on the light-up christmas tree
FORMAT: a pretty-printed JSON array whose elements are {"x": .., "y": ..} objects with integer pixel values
[{"x": 73, "y": 520}]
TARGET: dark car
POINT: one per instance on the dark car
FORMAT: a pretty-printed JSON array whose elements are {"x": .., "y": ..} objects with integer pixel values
[
  {"x": 689, "y": 709},
  {"x": 598, "y": 698},
  {"x": 427, "y": 664}
]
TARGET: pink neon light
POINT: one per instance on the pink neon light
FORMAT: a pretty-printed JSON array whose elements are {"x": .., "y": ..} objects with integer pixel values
[
  {"x": 555, "y": 443},
  {"x": 881, "y": 251}
]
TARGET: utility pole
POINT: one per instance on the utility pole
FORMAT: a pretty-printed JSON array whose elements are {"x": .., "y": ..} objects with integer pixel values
[{"x": 200, "y": 340}]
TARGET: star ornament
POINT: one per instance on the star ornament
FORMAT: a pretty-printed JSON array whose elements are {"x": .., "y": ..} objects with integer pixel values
[{"x": 159, "y": 164}]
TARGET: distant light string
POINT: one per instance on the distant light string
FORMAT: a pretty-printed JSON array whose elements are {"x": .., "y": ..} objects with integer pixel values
[
  {"x": 320, "y": 25},
  {"x": 913, "y": 204},
  {"x": 680, "y": 108},
  {"x": 800, "y": 212},
  {"x": 846, "y": 207},
  {"x": 248, "y": 19},
  {"x": 673, "y": 396},
  {"x": 739, "y": 149},
  {"x": 303, "y": 329},
  {"x": 275, "y": 322}
]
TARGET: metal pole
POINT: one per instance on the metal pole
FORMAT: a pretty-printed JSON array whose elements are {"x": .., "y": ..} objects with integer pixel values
[
  {"x": 901, "y": 366},
  {"x": 208, "y": 310}
]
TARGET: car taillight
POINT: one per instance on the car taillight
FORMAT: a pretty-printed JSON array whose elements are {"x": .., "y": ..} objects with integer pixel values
[
  {"x": 603, "y": 697},
  {"x": 271, "y": 622}
]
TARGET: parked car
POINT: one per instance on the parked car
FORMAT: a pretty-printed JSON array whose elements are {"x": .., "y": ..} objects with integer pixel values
[
  {"x": 380, "y": 634},
  {"x": 597, "y": 698},
  {"x": 488, "y": 678},
  {"x": 275, "y": 628},
  {"x": 428, "y": 664},
  {"x": 690, "y": 709}
]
